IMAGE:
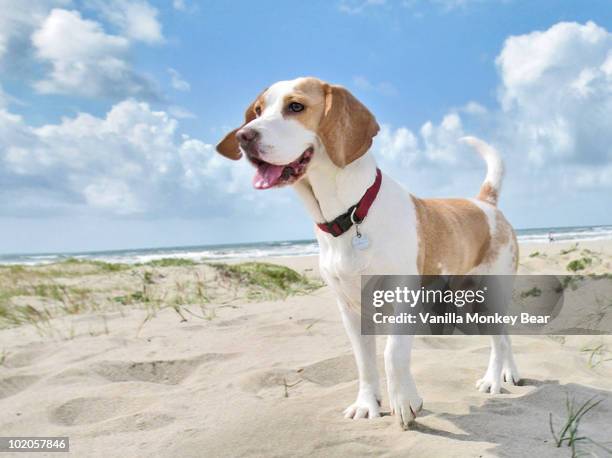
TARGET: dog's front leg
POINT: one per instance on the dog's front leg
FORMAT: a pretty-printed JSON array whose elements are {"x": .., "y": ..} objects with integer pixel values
[
  {"x": 367, "y": 404},
  {"x": 404, "y": 399}
]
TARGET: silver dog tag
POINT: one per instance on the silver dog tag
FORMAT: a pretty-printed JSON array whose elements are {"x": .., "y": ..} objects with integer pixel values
[{"x": 361, "y": 242}]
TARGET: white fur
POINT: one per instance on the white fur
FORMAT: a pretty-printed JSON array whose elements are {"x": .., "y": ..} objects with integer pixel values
[
  {"x": 495, "y": 165},
  {"x": 391, "y": 227},
  {"x": 282, "y": 140}
]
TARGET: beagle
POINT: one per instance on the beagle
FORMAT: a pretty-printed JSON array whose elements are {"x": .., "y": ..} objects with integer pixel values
[{"x": 316, "y": 136}]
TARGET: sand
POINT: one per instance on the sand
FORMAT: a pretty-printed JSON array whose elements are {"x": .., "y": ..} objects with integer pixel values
[{"x": 272, "y": 377}]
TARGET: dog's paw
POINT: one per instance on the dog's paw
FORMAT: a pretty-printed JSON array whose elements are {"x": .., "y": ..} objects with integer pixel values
[
  {"x": 489, "y": 384},
  {"x": 510, "y": 374},
  {"x": 405, "y": 403},
  {"x": 367, "y": 405}
]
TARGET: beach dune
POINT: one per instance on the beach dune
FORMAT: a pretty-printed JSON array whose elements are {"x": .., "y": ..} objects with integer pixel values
[{"x": 256, "y": 375}]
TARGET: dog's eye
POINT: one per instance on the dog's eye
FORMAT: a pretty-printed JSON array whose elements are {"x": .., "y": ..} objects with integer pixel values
[
  {"x": 258, "y": 111},
  {"x": 295, "y": 107}
]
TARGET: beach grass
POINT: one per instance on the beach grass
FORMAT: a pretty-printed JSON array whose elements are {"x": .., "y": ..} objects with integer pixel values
[
  {"x": 170, "y": 262},
  {"x": 569, "y": 433},
  {"x": 569, "y": 250},
  {"x": 36, "y": 294},
  {"x": 597, "y": 354},
  {"x": 579, "y": 264},
  {"x": 266, "y": 280}
]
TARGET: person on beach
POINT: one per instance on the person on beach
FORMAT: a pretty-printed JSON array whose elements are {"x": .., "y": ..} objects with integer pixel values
[{"x": 550, "y": 237}]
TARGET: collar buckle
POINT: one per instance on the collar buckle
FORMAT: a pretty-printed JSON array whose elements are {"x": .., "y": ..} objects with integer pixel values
[{"x": 344, "y": 222}]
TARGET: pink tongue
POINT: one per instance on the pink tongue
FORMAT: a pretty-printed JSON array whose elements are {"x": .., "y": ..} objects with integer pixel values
[{"x": 267, "y": 175}]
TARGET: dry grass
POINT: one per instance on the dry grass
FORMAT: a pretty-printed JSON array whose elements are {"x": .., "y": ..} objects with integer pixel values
[{"x": 37, "y": 294}]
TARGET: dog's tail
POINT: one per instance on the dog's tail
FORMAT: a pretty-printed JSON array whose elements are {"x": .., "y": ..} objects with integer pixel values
[{"x": 489, "y": 191}]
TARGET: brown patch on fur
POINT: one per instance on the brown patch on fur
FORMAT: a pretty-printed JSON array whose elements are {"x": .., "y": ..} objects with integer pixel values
[
  {"x": 454, "y": 236},
  {"x": 504, "y": 235},
  {"x": 309, "y": 92},
  {"x": 344, "y": 125},
  {"x": 488, "y": 193},
  {"x": 347, "y": 127},
  {"x": 229, "y": 146}
]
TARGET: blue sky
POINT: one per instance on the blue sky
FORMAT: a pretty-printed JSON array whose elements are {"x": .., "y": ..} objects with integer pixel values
[{"x": 109, "y": 110}]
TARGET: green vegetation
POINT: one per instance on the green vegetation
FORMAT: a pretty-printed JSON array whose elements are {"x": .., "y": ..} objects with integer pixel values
[
  {"x": 597, "y": 354},
  {"x": 569, "y": 431},
  {"x": 579, "y": 264},
  {"x": 265, "y": 279},
  {"x": 15, "y": 315},
  {"x": 571, "y": 249},
  {"x": 605, "y": 276},
  {"x": 171, "y": 262},
  {"x": 68, "y": 299},
  {"x": 533, "y": 292},
  {"x": 132, "y": 298},
  {"x": 570, "y": 281},
  {"x": 574, "y": 281},
  {"x": 37, "y": 294},
  {"x": 535, "y": 254},
  {"x": 100, "y": 265}
]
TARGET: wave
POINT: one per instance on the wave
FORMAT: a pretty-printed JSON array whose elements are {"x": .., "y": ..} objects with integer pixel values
[
  {"x": 565, "y": 234},
  {"x": 271, "y": 249},
  {"x": 197, "y": 254}
]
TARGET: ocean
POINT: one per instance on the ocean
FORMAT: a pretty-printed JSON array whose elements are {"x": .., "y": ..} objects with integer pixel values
[{"x": 265, "y": 249}]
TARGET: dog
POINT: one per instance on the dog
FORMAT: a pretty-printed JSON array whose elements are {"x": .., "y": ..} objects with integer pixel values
[{"x": 316, "y": 137}]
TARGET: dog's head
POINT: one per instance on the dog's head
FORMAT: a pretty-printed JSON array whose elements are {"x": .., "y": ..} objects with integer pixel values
[{"x": 291, "y": 122}]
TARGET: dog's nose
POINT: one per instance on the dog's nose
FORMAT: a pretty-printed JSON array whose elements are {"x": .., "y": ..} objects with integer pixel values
[{"x": 246, "y": 136}]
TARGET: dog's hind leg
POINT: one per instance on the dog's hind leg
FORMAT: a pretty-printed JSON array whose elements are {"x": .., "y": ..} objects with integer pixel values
[
  {"x": 510, "y": 373},
  {"x": 492, "y": 380},
  {"x": 367, "y": 404},
  {"x": 501, "y": 366}
]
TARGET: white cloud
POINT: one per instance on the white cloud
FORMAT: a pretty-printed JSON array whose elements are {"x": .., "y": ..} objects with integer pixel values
[
  {"x": 556, "y": 94},
  {"x": 435, "y": 145},
  {"x": 179, "y": 5},
  {"x": 552, "y": 125},
  {"x": 474, "y": 108},
  {"x": 132, "y": 161},
  {"x": 180, "y": 112},
  {"x": 449, "y": 5},
  {"x": 358, "y": 6},
  {"x": 442, "y": 142},
  {"x": 85, "y": 59},
  {"x": 431, "y": 162},
  {"x": 18, "y": 19},
  {"x": 594, "y": 178},
  {"x": 137, "y": 20},
  {"x": 384, "y": 87},
  {"x": 555, "y": 108},
  {"x": 113, "y": 195},
  {"x": 177, "y": 81},
  {"x": 396, "y": 145},
  {"x": 3, "y": 99}
]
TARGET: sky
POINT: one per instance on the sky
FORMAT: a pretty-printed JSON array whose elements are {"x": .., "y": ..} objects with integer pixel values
[{"x": 110, "y": 110}]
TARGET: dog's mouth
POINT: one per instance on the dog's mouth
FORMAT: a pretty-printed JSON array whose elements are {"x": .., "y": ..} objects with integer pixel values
[{"x": 272, "y": 175}]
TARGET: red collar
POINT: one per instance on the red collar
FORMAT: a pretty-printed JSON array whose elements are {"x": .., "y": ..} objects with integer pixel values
[{"x": 355, "y": 214}]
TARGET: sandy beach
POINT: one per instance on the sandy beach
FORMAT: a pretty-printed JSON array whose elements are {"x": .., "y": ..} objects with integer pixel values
[{"x": 171, "y": 359}]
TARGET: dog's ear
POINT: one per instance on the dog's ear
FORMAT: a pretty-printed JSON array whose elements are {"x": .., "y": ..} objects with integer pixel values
[
  {"x": 347, "y": 127},
  {"x": 229, "y": 147}
]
